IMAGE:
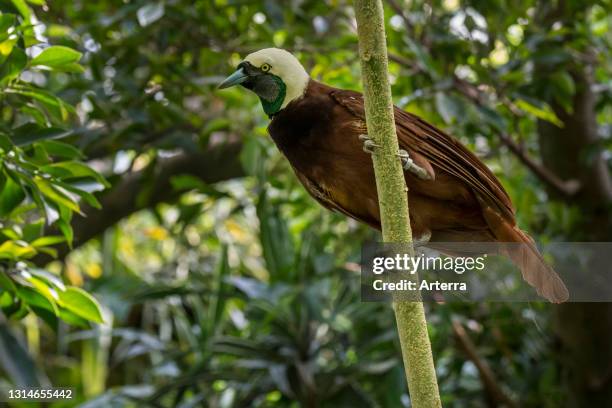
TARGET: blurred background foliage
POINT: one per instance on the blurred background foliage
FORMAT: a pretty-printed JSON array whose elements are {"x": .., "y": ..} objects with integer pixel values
[{"x": 156, "y": 249}]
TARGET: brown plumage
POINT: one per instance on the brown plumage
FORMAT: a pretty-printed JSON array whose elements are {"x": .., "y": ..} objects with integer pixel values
[
  {"x": 317, "y": 128},
  {"x": 464, "y": 201}
]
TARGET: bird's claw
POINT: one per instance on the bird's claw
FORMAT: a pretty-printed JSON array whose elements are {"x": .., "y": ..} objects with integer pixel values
[
  {"x": 409, "y": 165},
  {"x": 368, "y": 144}
]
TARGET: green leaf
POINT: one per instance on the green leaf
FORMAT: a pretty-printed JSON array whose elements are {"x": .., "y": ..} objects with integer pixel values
[
  {"x": 6, "y": 299},
  {"x": 6, "y": 143},
  {"x": 28, "y": 34},
  {"x": 6, "y": 22},
  {"x": 33, "y": 297},
  {"x": 10, "y": 233},
  {"x": 48, "y": 240},
  {"x": 565, "y": 82},
  {"x": 33, "y": 229},
  {"x": 10, "y": 197},
  {"x": 150, "y": 13},
  {"x": 43, "y": 288},
  {"x": 72, "y": 67},
  {"x": 13, "y": 65},
  {"x": 23, "y": 8},
  {"x": 184, "y": 182},
  {"x": 51, "y": 211},
  {"x": 16, "y": 250},
  {"x": 82, "y": 304},
  {"x": 58, "y": 30},
  {"x": 33, "y": 111},
  {"x": 58, "y": 109},
  {"x": 56, "y": 56},
  {"x": 6, "y": 47},
  {"x": 217, "y": 306},
  {"x": 51, "y": 279},
  {"x": 12, "y": 306},
  {"x": 16, "y": 361},
  {"x": 544, "y": 112},
  {"x": 276, "y": 241},
  {"x": 49, "y": 191},
  {"x": 61, "y": 149},
  {"x": 188, "y": 213},
  {"x": 6, "y": 283},
  {"x": 52, "y": 252},
  {"x": 66, "y": 229},
  {"x": 71, "y": 318},
  {"x": 73, "y": 169},
  {"x": 88, "y": 186},
  {"x": 563, "y": 88},
  {"x": 46, "y": 316},
  {"x": 29, "y": 133},
  {"x": 81, "y": 190},
  {"x": 252, "y": 157}
]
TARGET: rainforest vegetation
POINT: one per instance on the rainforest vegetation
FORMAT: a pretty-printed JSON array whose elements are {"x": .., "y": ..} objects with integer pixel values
[{"x": 157, "y": 250}]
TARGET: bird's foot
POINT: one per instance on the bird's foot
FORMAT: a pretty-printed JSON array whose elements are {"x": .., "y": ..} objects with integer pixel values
[
  {"x": 368, "y": 144},
  {"x": 409, "y": 165}
]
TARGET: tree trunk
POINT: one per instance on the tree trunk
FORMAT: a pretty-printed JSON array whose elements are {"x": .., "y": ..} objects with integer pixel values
[
  {"x": 393, "y": 200},
  {"x": 584, "y": 329}
]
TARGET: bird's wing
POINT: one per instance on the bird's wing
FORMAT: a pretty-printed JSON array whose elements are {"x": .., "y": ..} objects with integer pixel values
[
  {"x": 443, "y": 151},
  {"x": 326, "y": 199}
]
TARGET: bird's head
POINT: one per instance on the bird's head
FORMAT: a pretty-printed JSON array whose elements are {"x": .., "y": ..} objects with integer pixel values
[{"x": 275, "y": 75}]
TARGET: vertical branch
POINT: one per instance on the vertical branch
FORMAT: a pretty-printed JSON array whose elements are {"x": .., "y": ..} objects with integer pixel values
[{"x": 392, "y": 197}]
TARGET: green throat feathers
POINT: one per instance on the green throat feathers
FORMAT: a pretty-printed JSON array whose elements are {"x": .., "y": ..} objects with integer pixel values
[{"x": 272, "y": 101}]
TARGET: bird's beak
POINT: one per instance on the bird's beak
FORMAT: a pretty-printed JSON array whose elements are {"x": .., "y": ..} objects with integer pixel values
[{"x": 236, "y": 78}]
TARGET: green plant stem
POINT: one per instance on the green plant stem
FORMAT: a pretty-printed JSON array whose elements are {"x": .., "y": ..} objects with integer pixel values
[{"x": 392, "y": 197}]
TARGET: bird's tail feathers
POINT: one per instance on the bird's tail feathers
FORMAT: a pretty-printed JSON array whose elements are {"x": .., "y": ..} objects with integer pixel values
[{"x": 526, "y": 256}]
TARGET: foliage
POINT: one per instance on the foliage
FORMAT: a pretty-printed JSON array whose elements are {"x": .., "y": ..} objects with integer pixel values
[
  {"x": 42, "y": 181},
  {"x": 244, "y": 292}
]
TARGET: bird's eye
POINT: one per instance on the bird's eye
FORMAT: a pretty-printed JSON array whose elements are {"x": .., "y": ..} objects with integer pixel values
[{"x": 265, "y": 67}]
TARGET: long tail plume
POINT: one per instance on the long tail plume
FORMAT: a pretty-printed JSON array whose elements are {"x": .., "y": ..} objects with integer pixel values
[{"x": 526, "y": 256}]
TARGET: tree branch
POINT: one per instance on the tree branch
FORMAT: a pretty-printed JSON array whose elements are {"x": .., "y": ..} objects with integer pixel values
[
  {"x": 397, "y": 8},
  {"x": 217, "y": 163},
  {"x": 392, "y": 197},
  {"x": 565, "y": 188},
  {"x": 487, "y": 377}
]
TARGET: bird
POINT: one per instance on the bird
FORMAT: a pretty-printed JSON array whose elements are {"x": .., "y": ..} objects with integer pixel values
[{"x": 321, "y": 130}]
